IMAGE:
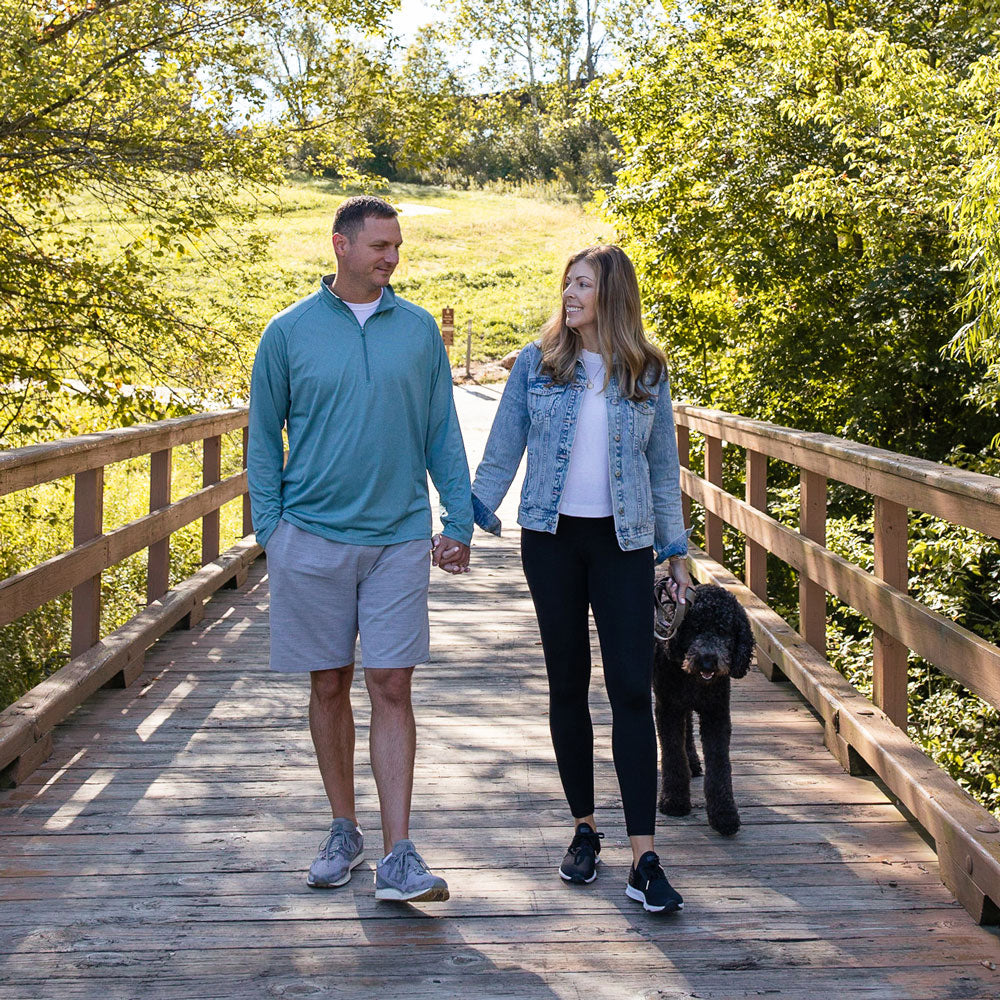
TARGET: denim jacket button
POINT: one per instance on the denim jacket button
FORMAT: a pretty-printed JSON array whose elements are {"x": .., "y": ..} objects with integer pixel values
[
  {"x": 621, "y": 510},
  {"x": 618, "y": 473},
  {"x": 618, "y": 437}
]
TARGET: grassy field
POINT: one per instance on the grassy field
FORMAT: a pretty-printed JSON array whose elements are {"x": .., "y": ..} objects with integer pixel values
[{"x": 494, "y": 258}]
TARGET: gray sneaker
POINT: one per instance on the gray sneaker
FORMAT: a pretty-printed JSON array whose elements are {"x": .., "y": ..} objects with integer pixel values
[
  {"x": 341, "y": 852},
  {"x": 404, "y": 875}
]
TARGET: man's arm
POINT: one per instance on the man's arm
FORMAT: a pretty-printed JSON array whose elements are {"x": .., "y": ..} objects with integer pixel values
[{"x": 269, "y": 402}]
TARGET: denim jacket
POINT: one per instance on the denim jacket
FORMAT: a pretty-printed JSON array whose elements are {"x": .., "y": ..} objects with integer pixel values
[{"x": 541, "y": 415}]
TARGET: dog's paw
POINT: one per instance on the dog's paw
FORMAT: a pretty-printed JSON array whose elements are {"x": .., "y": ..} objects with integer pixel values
[
  {"x": 674, "y": 807},
  {"x": 725, "y": 821},
  {"x": 695, "y": 766}
]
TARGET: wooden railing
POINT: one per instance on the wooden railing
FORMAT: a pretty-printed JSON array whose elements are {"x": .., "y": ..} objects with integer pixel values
[
  {"x": 863, "y": 734},
  {"x": 116, "y": 659}
]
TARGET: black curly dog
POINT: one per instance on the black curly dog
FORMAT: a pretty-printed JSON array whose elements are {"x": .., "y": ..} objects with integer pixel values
[{"x": 691, "y": 672}]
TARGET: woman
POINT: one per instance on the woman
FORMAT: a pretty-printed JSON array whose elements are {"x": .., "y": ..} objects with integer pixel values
[{"x": 600, "y": 503}]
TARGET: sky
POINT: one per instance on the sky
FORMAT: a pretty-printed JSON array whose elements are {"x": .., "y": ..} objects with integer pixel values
[{"x": 412, "y": 14}]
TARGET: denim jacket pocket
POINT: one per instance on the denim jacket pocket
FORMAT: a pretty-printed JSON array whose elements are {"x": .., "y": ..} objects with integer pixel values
[
  {"x": 542, "y": 399},
  {"x": 641, "y": 417}
]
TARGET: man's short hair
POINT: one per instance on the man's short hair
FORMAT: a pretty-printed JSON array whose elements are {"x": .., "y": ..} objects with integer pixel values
[{"x": 351, "y": 214}]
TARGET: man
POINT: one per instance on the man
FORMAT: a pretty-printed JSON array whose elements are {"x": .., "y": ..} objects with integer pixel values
[{"x": 360, "y": 379}]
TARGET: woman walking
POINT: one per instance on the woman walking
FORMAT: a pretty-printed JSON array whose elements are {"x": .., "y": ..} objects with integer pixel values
[{"x": 600, "y": 504}]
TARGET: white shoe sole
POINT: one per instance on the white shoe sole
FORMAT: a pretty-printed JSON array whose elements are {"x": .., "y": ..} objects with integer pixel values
[
  {"x": 343, "y": 881},
  {"x": 580, "y": 881},
  {"x": 435, "y": 894},
  {"x": 640, "y": 897}
]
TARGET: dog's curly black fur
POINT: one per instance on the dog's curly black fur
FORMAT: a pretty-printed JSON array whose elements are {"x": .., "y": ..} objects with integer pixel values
[{"x": 691, "y": 673}]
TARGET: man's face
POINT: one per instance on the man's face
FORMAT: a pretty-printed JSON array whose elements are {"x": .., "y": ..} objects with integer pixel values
[{"x": 372, "y": 255}]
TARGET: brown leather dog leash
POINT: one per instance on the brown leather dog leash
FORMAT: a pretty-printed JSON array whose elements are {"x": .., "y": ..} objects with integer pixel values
[{"x": 680, "y": 610}]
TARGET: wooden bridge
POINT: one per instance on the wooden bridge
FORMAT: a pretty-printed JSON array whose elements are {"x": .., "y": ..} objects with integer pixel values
[{"x": 163, "y": 803}]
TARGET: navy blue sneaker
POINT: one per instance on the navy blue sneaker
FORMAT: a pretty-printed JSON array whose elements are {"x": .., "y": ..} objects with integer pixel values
[
  {"x": 648, "y": 885},
  {"x": 580, "y": 863}
]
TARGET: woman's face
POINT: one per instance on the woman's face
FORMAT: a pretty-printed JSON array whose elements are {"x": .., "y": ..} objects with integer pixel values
[{"x": 580, "y": 298}]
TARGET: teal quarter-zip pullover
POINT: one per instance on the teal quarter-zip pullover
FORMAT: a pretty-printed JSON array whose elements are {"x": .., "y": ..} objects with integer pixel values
[{"x": 368, "y": 412}]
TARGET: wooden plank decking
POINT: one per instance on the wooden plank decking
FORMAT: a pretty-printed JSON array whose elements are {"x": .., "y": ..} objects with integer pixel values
[{"x": 160, "y": 853}]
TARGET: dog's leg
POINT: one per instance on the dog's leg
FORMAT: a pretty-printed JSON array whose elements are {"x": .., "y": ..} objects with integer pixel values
[
  {"x": 716, "y": 730},
  {"x": 675, "y": 780},
  {"x": 694, "y": 761}
]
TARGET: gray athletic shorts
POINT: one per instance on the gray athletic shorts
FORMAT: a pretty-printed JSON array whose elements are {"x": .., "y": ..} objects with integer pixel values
[{"x": 324, "y": 592}]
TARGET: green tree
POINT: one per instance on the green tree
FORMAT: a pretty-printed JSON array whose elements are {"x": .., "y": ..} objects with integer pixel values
[
  {"x": 330, "y": 87},
  {"x": 788, "y": 169},
  {"x": 528, "y": 41},
  {"x": 130, "y": 135},
  {"x": 428, "y": 105},
  {"x": 977, "y": 220}
]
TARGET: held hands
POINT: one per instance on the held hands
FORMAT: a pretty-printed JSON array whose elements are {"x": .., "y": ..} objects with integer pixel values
[
  {"x": 680, "y": 581},
  {"x": 449, "y": 555}
]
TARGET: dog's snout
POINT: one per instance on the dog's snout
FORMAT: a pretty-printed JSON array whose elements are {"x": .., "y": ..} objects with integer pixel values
[
  {"x": 707, "y": 662},
  {"x": 706, "y": 665}
]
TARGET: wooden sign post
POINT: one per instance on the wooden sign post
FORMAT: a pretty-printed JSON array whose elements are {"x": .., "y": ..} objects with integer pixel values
[
  {"x": 448, "y": 326},
  {"x": 468, "y": 351}
]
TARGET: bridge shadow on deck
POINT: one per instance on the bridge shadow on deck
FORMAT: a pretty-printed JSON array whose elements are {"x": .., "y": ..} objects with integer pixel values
[{"x": 160, "y": 853}]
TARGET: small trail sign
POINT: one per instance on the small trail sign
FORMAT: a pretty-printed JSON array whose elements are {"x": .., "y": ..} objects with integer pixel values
[{"x": 448, "y": 326}]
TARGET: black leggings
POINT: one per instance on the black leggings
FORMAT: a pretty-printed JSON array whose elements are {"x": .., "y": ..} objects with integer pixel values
[{"x": 582, "y": 565}]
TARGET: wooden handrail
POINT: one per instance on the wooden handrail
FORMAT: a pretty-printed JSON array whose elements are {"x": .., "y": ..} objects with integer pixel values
[
  {"x": 956, "y": 651},
  {"x": 33, "y": 587},
  {"x": 117, "y": 659},
  {"x": 41, "y": 463},
  {"x": 967, "y": 838},
  {"x": 966, "y": 498}
]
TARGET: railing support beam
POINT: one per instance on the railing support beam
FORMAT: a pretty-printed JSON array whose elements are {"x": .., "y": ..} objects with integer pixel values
[
  {"x": 889, "y": 668},
  {"x": 713, "y": 473},
  {"x": 158, "y": 562},
  {"x": 755, "y": 554},
  {"x": 684, "y": 457},
  {"x": 88, "y": 523},
  {"x": 812, "y": 524},
  {"x": 211, "y": 472},
  {"x": 247, "y": 518},
  {"x": 756, "y": 496}
]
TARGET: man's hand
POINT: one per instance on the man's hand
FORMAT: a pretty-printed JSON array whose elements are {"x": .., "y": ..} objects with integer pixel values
[{"x": 449, "y": 555}]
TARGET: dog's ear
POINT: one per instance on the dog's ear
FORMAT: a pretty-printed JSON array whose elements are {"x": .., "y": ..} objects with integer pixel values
[{"x": 739, "y": 662}]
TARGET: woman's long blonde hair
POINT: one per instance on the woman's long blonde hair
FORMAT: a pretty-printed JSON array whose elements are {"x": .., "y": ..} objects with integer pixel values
[{"x": 636, "y": 362}]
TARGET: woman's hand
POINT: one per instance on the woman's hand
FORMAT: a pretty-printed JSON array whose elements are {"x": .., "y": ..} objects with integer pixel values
[
  {"x": 680, "y": 580},
  {"x": 449, "y": 555}
]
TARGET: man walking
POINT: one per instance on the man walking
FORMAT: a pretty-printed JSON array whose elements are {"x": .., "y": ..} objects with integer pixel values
[{"x": 360, "y": 380}]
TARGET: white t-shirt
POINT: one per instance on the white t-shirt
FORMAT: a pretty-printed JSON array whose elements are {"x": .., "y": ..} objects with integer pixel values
[
  {"x": 587, "y": 492},
  {"x": 363, "y": 310}
]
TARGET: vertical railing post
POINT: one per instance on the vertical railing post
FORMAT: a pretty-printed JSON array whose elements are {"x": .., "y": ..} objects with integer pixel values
[
  {"x": 211, "y": 472},
  {"x": 713, "y": 473},
  {"x": 88, "y": 523},
  {"x": 812, "y": 524},
  {"x": 684, "y": 457},
  {"x": 755, "y": 553},
  {"x": 892, "y": 566},
  {"x": 158, "y": 560},
  {"x": 247, "y": 518},
  {"x": 756, "y": 495}
]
